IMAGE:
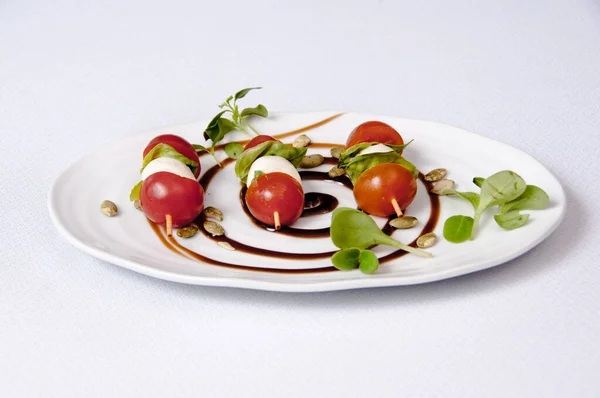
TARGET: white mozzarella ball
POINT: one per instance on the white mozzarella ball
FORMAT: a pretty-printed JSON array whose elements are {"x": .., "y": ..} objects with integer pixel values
[
  {"x": 169, "y": 165},
  {"x": 272, "y": 164},
  {"x": 377, "y": 148}
]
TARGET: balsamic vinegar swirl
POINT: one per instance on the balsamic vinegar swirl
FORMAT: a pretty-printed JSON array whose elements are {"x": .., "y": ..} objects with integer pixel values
[{"x": 315, "y": 203}]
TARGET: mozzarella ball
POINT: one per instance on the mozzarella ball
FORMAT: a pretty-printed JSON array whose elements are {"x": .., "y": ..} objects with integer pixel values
[
  {"x": 272, "y": 164},
  {"x": 169, "y": 165}
]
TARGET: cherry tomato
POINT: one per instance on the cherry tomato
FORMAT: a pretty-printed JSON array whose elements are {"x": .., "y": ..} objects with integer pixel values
[
  {"x": 376, "y": 187},
  {"x": 275, "y": 192},
  {"x": 177, "y": 143},
  {"x": 259, "y": 139},
  {"x": 167, "y": 193},
  {"x": 374, "y": 131}
]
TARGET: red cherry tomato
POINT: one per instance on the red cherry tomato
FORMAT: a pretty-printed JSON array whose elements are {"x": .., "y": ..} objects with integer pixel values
[
  {"x": 374, "y": 131},
  {"x": 167, "y": 193},
  {"x": 177, "y": 143},
  {"x": 259, "y": 139},
  {"x": 275, "y": 192},
  {"x": 376, "y": 187}
]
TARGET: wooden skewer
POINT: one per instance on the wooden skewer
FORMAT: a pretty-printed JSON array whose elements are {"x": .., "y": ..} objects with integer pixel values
[
  {"x": 277, "y": 220},
  {"x": 397, "y": 208},
  {"x": 169, "y": 220}
]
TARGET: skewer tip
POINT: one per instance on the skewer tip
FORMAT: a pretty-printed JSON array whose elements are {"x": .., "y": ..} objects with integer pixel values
[
  {"x": 169, "y": 221},
  {"x": 277, "y": 221},
  {"x": 397, "y": 208}
]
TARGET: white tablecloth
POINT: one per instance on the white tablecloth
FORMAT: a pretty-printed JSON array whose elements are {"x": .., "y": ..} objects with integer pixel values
[{"x": 74, "y": 76}]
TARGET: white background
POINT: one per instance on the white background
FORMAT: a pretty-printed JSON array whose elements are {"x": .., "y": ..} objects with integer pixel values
[{"x": 74, "y": 76}]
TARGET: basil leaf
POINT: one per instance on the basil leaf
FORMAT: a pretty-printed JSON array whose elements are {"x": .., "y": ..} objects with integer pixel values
[
  {"x": 259, "y": 110},
  {"x": 458, "y": 229},
  {"x": 242, "y": 93},
  {"x": 135, "y": 192},
  {"x": 233, "y": 149},
  {"x": 470, "y": 197},
  {"x": 200, "y": 148},
  {"x": 346, "y": 259},
  {"x": 511, "y": 220},
  {"x": 533, "y": 198},
  {"x": 368, "y": 262},
  {"x": 257, "y": 174},
  {"x": 212, "y": 130},
  {"x": 353, "y": 228},
  {"x": 218, "y": 132},
  {"x": 478, "y": 181},
  {"x": 276, "y": 148},
  {"x": 354, "y": 150},
  {"x": 356, "y": 166},
  {"x": 164, "y": 150}
]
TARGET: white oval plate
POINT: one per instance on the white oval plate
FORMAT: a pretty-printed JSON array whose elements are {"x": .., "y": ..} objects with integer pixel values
[{"x": 129, "y": 241}]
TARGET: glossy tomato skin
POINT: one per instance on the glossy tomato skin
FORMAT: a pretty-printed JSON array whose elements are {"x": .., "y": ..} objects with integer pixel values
[
  {"x": 275, "y": 192},
  {"x": 179, "y": 144},
  {"x": 374, "y": 131},
  {"x": 376, "y": 187},
  {"x": 167, "y": 193},
  {"x": 259, "y": 139}
]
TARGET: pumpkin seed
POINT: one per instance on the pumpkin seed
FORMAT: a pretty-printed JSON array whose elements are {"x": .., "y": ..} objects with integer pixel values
[
  {"x": 213, "y": 212},
  {"x": 404, "y": 222},
  {"x": 109, "y": 208},
  {"x": 435, "y": 175},
  {"x": 213, "y": 228},
  {"x": 336, "y": 152},
  {"x": 426, "y": 240},
  {"x": 137, "y": 205},
  {"x": 187, "y": 232},
  {"x": 311, "y": 161},
  {"x": 442, "y": 185},
  {"x": 336, "y": 172},
  {"x": 226, "y": 246},
  {"x": 301, "y": 141}
]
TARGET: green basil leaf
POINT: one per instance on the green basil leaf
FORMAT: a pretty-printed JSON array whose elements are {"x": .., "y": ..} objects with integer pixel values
[
  {"x": 233, "y": 149},
  {"x": 242, "y": 93},
  {"x": 368, "y": 262},
  {"x": 212, "y": 130},
  {"x": 259, "y": 110},
  {"x": 164, "y": 150},
  {"x": 359, "y": 164},
  {"x": 224, "y": 126},
  {"x": 478, "y": 181},
  {"x": 200, "y": 148},
  {"x": 458, "y": 229},
  {"x": 135, "y": 192},
  {"x": 511, "y": 220},
  {"x": 533, "y": 198},
  {"x": 470, "y": 197},
  {"x": 346, "y": 259},
  {"x": 257, "y": 174},
  {"x": 268, "y": 148},
  {"x": 354, "y": 150}
]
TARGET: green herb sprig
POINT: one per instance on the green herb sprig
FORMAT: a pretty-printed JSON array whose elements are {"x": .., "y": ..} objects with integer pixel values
[
  {"x": 505, "y": 189},
  {"x": 354, "y": 232},
  {"x": 220, "y": 125}
]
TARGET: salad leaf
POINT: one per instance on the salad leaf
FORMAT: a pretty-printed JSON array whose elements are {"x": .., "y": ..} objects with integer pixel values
[
  {"x": 471, "y": 197},
  {"x": 242, "y": 93},
  {"x": 353, "y": 228},
  {"x": 458, "y": 229},
  {"x": 511, "y": 220},
  {"x": 533, "y": 198},
  {"x": 346, "y": 259},
  {"x": 258, "y": 110},
  {"x": 368, "y": 262},
  {"x": 245, "y": 160},
  {"x": 233, "y": 149},
  {"x": 498, "y": 189},
  {"x": 164, "y": 150},
  {"x": 478, "y": 181}
]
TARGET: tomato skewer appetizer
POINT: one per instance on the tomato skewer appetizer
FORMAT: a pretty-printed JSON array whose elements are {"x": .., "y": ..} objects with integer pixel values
[{"x": 382, "y": 185}]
